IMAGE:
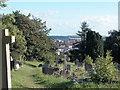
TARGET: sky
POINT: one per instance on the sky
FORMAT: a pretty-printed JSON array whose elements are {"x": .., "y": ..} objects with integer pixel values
[{"x": 65, "y": 18}]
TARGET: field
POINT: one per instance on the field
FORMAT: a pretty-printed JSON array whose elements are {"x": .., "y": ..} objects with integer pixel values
[{"x": 31, "y": 76}]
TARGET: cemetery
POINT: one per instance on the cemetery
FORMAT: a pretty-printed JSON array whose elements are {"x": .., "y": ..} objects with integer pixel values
[
  {"x": 57, "y": 75},
  {"x": 29, "y": 57}
]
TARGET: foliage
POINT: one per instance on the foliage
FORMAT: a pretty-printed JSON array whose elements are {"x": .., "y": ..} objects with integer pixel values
[
  {"x": 94, "y": 45},
  {"x": 113, "y": 43},
  {"x": 49, "y": 57},
  {"x": 80, "y": 53},
  {"x": 19, "y": 47},
  {"x": 30, "y": 77},
  {"x": 35, "y": 32},
  {"x": 2, "y": 3},
  {"x": 91, "y": 44},
  {"x": 104, "y": 69},
  {"x": 85, "y": 28},
  {"x": 89, "y": 60}
]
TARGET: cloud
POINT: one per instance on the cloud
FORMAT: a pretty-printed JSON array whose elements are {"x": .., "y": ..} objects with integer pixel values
[
  {"x": 25, "y": 11},
  {"x": 46, "y": 13},
  {"x": 102, "y": 24}
]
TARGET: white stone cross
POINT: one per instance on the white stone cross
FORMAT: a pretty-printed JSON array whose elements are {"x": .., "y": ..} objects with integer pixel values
[{"x": 5, "y": 74}]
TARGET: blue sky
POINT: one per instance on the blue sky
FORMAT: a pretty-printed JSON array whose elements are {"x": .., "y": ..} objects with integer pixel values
[{"x": 65, "y": 18}]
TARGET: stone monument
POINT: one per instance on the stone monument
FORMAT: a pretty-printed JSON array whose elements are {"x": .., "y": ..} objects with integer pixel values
[{"x": 5, "y": 74}]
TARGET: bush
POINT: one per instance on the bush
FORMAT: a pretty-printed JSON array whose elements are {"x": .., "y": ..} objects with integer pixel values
[{"x": 104, "y": 69}]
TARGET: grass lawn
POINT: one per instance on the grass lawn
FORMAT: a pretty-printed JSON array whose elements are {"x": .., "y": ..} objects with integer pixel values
[{"x": 31, "y": 76}]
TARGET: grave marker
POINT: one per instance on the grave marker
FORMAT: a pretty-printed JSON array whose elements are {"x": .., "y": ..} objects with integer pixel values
[
  {"x": 5, "y": 57},
  {"x": 68, "y": 67}
]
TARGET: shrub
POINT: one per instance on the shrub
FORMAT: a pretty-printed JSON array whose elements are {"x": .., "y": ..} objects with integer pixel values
[
  {"x": 104, "y": 69},
  {"x": 88, "y": 60}
]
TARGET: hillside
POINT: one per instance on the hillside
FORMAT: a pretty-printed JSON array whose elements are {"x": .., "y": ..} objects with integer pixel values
[{"x": 31, "y": 76}]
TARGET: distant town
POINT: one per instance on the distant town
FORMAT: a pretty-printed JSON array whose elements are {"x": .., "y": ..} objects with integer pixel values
[{"x": 66, "y": 43}]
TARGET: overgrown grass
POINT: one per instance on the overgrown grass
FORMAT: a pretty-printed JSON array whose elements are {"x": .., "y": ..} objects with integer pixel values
[{"x": 31, "y": 76}]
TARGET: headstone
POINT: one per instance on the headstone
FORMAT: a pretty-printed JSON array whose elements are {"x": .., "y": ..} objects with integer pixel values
[
  {"x": 76, "y": 62},
  {"x": 50, "y": 71},
  {"x": 67, "y": 72},
  {"x": 68, "y": 66},
  {"x": 62, "y": 72},
  {"x": 65, "y": 62},
  {"x": 32, "y": 59},
  {"x": 45, "y": 68},
  {"x": 88, "y": 67},
  {"x": 5, "y": 57},
  {"x": 12, "y": 65},
  {"x": 17, "y": 66}
]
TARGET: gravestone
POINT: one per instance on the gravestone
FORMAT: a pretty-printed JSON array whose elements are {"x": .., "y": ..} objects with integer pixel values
[
  {"x": 68, "y": 67},
  {"x": 45, "y": 68},
  {"x": 5, "y": 39},
  {"x": 67, "y": 72},
  {"x": 88, "y": 67},
  {"x": 65, "y": 62},
  {"x": 76, "y": 62}
]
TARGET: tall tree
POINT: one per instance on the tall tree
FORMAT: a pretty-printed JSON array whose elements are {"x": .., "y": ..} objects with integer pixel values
[
  {"x": 35, "y": 32},
  {"x": 84, "y": 29},
  {"x": 80, "y": 53},
  {"x": 19, "y": 47},
  {"x": 91, "y": 44},
  {"x": 94, "y": 45},
  {"x": 113, "y": 43}
]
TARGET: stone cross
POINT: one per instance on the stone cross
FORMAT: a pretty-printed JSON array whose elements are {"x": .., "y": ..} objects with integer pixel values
[
  {"x": 65, "y": 62},
  {"x": 5, "y": 40}
]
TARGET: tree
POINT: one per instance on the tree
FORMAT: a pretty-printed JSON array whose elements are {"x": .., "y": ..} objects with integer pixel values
[
  {"x": 2, "y": 3},
  {"x": 80, "y": 53},
  {"x": 113, "y": 43},
  {"x": 85, "y": 28},
  {"x": 19, "y": 47},
  {"x": 94, "y": 45},
  {"x": 105, "y": 70},
  {"x": 39, "y": 45},
  {"x": 91, "y": 44}
]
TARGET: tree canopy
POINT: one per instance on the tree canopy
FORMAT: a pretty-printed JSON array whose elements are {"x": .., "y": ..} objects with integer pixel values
[{"x": 113, "y": 43}]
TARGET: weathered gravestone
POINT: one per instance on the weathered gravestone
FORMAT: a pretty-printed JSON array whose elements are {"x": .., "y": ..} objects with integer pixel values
[
  {"x": 76, "y": 62},
  {"x": 68, "y": 67},
  {"x": 5, "y": 39},
  {"x": 88, "y": 67},
  {"x": 65, "y": 62},
  {"x": 47, "y": 69}
]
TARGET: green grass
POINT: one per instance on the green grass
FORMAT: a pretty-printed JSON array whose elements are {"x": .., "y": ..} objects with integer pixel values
[{"x": 31, "y": 76}]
